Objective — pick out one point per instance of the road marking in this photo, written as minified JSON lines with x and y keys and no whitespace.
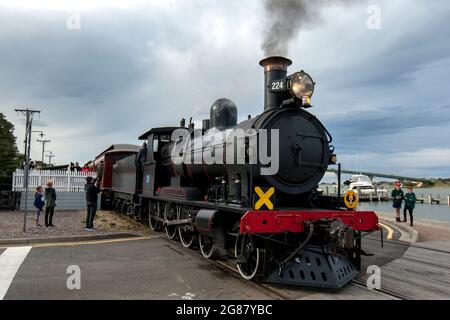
{"x":389,"y":229}
{"x":10,"y":261}
{"x":76,"y":243}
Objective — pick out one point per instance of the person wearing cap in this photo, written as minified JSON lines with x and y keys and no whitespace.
{"x":91,"y":201}
{"x":397,"y":196}
{"x":410,"y":204}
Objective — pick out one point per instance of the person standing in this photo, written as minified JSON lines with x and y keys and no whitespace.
{"x":397,"y":196}
{"x":39,"y":203}
{"x":99,"y":171}
{"x":410,"y":204}
{"x":91,"y":202}
{"x":77,"y":167}
{"x":85,"y":168}
{"x":50,"y":204}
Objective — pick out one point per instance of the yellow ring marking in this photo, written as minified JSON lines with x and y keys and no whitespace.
{"x":351,"y":199}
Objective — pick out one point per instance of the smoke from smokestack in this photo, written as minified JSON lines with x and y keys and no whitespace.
{"x":285,"y":18}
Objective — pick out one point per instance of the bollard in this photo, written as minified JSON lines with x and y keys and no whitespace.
{"x":448,"y":200}
{"x":371,"y":196}
{"x":430,"y":199}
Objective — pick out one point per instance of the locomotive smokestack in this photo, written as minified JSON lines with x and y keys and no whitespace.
{"x":275,"y":68}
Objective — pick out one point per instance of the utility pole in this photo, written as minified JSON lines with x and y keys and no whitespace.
{"x":50,"y":156}
{"x":43,"y":147}
{"x":28,"y":113}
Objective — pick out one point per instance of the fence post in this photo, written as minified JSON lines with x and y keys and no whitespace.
{"x":40,"y":178}
{"x":448,"y":200}
{"x":429,"y":199}
{"x":14,"y":181}
{"x":68,"y":181}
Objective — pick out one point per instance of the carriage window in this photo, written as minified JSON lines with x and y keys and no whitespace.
{"x":155,"y":144}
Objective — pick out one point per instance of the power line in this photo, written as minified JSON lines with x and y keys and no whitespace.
{"x":43,"y":147}
{"x":49,"y":156}
{"x":28,"y":113}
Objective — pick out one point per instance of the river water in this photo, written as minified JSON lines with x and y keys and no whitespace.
{"x":422,"y":211}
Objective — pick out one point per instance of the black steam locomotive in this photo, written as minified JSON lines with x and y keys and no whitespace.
{"x":276,"y":227}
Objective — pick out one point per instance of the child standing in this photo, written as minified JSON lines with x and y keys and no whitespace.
{"x":410,"y":204}
{"x":397,"y":196}
{"x":38,"y":203}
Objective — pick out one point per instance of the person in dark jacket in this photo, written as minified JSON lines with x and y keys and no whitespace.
{"x":50,"y":204}
{"x":410,"y":204}
{"x":39,"y":203}
{"x":91,"y":202}
{"x":397,"y":196}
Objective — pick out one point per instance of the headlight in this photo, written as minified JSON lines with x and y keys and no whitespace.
{"x":302,"y":86}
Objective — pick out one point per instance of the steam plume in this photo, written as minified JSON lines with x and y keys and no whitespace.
{"x":285,"y":18}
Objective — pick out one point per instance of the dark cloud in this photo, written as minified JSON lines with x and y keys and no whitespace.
{"x":127,"y":70}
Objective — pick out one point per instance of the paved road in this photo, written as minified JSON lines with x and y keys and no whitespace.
{"x":142,"y":269}
{"x":153,"y":268}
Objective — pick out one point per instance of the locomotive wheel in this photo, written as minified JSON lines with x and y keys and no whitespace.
{"x":129,"y":211}
{"x":186,"y":232}
{"x":207,"y":246}
{"x":125,"y":208}
{"x":154,"y":211}
{"x":170,"y":214}
{"x":121,"y":206}
{"x":249,"y":257}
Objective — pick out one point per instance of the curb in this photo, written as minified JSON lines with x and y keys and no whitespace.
{"x":413,"y":233}
{"x":32,"y":241}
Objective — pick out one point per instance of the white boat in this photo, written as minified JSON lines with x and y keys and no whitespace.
{"x":365,"y":189}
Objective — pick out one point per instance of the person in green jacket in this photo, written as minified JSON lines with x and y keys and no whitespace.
{"x":410,"y":204}
{"x":397,"y":196}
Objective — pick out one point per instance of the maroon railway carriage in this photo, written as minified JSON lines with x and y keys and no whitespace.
{"x":109,"y":158}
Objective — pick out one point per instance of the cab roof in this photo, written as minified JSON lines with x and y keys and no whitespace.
{"x":161,"y":130}
{"x":120,"y":148}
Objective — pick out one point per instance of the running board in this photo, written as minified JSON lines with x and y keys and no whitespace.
{"x":316,"y":268}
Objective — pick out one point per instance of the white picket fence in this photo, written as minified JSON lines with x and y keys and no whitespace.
{"x":63,"y":181}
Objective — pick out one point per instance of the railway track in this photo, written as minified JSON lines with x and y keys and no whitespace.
{"x":403,"y":244}
{"x":228,"y":266}
{"x":395,"y":295}
{"x":282,"y":295}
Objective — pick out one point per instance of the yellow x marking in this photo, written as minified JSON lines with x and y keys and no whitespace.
{"x":264,"y":198}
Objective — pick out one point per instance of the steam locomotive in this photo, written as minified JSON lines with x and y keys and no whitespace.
{"x":275,"y":227}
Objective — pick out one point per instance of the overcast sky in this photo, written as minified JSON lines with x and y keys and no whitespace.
{"x":133,"y":65}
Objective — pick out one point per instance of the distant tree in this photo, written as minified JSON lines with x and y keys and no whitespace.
{"x":9,"y":154}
